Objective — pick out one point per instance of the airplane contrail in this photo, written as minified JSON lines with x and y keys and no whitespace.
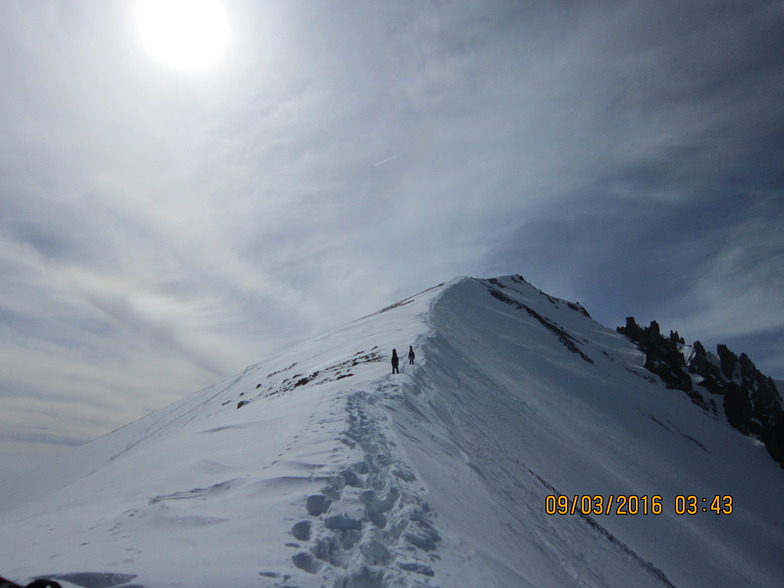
{"x":387,"y":159}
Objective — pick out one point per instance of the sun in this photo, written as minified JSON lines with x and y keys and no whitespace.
{"x":189,"y":35}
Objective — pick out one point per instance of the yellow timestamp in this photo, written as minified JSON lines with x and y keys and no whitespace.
{"x":692,"y":505}
{"x":632,"y":504}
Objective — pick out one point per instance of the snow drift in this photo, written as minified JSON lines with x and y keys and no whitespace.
{"x":318,"y":467}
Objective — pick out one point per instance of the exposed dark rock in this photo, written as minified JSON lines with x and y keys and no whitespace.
{"x":750,"y":399}
{"x":96,"y":579}
{"x":568,"y":340}
{"x":577,"y":307}
{"x":729,"y":361}
{"x":662,"y":355}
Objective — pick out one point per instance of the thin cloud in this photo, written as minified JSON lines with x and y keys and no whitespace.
{"x":383,"y":161}
{"x":158,"y":230}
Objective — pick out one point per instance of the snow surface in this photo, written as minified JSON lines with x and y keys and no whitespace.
{"x":318,"y":467}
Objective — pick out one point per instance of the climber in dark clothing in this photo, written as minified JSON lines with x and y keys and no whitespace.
{"x":395,"y":362}
{"x":411,"y":355}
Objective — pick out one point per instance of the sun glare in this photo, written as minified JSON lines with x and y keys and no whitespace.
{"x":190,"y":35}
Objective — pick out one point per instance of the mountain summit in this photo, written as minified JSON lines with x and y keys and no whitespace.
{"x":527,"y":445}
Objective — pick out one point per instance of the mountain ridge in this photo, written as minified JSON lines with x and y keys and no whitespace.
{"x":318,"y":467}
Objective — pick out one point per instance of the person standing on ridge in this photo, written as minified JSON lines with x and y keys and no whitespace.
{"x":411,"y":355}
{"x":395,"y":362}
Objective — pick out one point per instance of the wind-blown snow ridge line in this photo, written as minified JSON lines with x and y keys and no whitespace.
{"x":165,"y":422}
{"x":338,"y":371}
{"x":403,"y":302}
{"x":195,"y":493}
{"x":568,"y":340}
{"x":575,"y":306}
{"x":281,"y":371}
{"x":679,"y":432}
{"x":648,"y":566}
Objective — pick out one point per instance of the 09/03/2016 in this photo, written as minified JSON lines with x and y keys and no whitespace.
{"x":631,"y":504}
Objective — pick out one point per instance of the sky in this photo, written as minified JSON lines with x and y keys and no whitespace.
{"x":162,"y":227}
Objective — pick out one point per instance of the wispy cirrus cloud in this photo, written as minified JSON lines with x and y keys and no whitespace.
{"x":158,"y":230}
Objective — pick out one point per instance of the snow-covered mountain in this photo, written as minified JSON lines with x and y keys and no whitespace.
{"x":505,"y":456}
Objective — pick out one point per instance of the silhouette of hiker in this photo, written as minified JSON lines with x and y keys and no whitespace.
{"x":411,"y":355}
{"x":395,"y":362}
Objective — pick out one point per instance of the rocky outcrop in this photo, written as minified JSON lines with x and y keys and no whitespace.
{"x":750,"y":399}
{"x":664,"y":358}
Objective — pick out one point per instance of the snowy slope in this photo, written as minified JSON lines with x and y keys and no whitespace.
{"x":318,"y":467}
